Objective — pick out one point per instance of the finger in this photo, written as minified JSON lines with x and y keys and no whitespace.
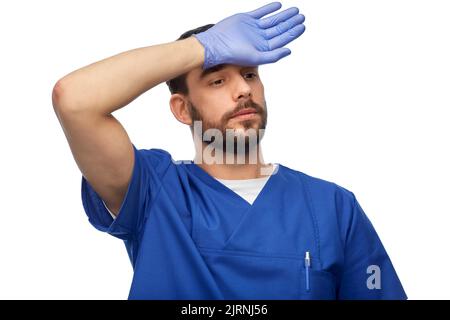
{"x":274,"y":55}
{"x":277,"y":18}
{"x":284,"y":26}
{"x":285,"y":38}
{"x":264,"y":10}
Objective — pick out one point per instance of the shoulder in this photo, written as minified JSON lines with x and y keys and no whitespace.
{"x":334,"y":206}
{"x":154,"y":158}
{"x":322,"y":189}
{"x":330,"y":203}
{"x":154,"y":153}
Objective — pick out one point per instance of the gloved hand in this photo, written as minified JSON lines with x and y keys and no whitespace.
{"x":247,"y":39}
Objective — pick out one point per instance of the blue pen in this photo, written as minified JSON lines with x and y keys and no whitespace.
{"x":307,"y":266}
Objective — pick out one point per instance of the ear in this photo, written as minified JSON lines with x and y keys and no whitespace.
{"x":180,"y":109}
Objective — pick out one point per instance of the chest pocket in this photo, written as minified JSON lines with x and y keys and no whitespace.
{"x":248,"y":275}
{"x":321,"y":286}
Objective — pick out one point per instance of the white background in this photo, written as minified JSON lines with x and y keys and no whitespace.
{"x":362,"y":101}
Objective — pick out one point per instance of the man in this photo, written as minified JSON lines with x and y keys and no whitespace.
{"x":226,"y":225}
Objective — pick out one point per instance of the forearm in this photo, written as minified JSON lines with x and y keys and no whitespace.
{"x":111,"y":83}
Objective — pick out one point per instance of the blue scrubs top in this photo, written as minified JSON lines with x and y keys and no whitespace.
{"x":188,"y":236}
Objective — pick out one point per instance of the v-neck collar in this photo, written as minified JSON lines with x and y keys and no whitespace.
{"x":215,"y":184}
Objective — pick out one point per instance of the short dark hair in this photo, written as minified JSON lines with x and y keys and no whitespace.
{"x":178,"y":84}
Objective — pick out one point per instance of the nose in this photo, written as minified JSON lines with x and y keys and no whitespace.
{"x":242,"y":90}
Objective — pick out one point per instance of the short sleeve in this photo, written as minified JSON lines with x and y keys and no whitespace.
{"x":148,"y":171}
{"x":368,"y":271}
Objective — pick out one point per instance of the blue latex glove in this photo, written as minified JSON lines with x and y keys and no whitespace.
{"x":248,"y":39}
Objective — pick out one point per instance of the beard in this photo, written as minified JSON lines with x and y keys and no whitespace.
{"x":239,"y":137}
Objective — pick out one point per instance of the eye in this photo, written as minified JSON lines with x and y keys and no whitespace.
{"x":252,"y":74}
{"x":216,"y":82}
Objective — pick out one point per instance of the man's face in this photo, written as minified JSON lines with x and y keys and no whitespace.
{"x":215,"y":96}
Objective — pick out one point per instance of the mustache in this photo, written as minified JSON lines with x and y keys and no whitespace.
{"x":245,"y":105}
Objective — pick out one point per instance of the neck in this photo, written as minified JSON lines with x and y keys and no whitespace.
{"x":241,"y":166}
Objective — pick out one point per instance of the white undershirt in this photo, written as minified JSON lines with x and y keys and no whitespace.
{"x":248,"y":189}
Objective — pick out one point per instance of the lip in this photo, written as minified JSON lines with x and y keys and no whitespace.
{"x":248,"y":112}
{"x":244,"y":116}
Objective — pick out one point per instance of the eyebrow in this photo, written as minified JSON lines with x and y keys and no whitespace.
{"x":219,"y":67}
{"x":212,"y":70}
